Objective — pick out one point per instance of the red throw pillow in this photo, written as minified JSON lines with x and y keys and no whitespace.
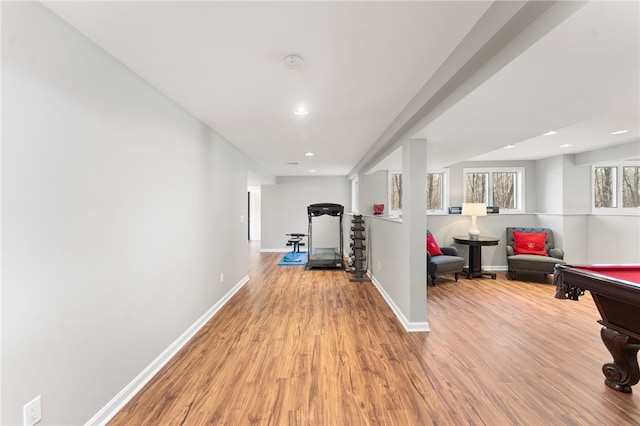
{"x":432,"y":247}
{"x":529,"y":243}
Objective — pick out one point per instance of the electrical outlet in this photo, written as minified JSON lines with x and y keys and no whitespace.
{"x":221,"y":277}
{"x":379,"y":265}
{"x":32,"y":412}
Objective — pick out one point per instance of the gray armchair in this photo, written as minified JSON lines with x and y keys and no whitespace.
{"x":532,"y":262}
{"x":447,"y":263}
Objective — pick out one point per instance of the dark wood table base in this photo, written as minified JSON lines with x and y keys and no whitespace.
{"x":475,"y":254}
{"x":623,"y":372}
{"x":478,"y":274}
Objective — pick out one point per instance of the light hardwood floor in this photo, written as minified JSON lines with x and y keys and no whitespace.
{"x":297,"y":347}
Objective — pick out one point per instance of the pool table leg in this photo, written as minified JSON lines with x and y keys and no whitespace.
{"x":623,"y":372}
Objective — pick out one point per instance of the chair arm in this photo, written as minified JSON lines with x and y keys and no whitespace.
{"x":510,"y":251}
{"x":558,"y":253}
{"x":449,"y":250}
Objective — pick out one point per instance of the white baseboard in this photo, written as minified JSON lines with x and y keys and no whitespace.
{"x":125,"y":395}
{"x":408,"y":325}
{"x":495,"y":268}
{"x":274,"y":250}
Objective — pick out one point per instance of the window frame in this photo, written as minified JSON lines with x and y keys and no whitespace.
{"x":520,"y":186}
{"x":444,"y":189}
{"x":392,"y":212}
{"x":619,"y":209}
{"x":445,"y":193}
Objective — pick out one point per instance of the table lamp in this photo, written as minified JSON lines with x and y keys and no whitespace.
{"x":474,"y":210}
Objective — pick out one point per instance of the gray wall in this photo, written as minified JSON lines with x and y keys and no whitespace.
{"x":445,"y":227}
{"x":387,"y":260}
{"x":558,"y":196}
{"x":614,"y":239}
{"x":120,"y":212}
{"x":549,"y":187}
{"x":374,"y":189}
{"x":284,"y":209}
{"x":585,"y":238}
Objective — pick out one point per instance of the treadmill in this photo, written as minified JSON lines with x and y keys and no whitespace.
{"x":325,"y":257}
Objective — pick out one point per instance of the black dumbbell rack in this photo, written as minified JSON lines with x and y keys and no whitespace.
{"x":358,"y":249}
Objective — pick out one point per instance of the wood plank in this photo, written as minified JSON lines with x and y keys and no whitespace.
{"x":311,"y":347}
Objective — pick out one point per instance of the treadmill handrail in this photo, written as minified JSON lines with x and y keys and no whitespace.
{"x":325,"y":208}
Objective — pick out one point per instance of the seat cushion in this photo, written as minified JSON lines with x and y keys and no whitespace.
{"x":533,"y":263}
{"x":444,"y":264}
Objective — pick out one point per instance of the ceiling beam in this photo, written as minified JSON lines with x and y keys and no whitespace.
{"x":503,"y":32}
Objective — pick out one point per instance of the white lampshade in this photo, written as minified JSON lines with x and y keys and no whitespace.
{"x":474,"y":209}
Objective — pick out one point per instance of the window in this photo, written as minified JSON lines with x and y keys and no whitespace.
{"x":502,"y":187}
{"x":504,"y":190}
{"x":616,"y":188}
{"x":436,"y":191}
{"x":604,"y":183}
{"x":631,"y":186}
{"x":395,"y":193}
{"x":476,"y":187}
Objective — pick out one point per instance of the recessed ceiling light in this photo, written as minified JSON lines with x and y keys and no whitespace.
{"x":313,"y":170}
{"x":309,"y":154}
{"x":549,"y":133}
{"x":301,"y":111}
{"x":565,"y":145}
{"x":619,"y":132}
{"x":294,"y":62}
{"x":509,"y":146}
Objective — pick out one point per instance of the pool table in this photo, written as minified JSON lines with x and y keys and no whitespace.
{"x":616,"y":293}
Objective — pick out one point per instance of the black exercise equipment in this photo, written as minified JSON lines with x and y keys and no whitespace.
{"x":295,"y":241}
{"x":358,"y":249}
{"x":322,"y":257}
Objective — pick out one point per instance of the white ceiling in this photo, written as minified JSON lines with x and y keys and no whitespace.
{"x":367,"y":67}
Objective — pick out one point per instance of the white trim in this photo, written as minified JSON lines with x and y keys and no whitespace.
{"x":495,"y":268}
{"x":445,"y":191}
{"x":275,"y":250}
{"x":125,"y":395}
{"x":618,"y":210}
{"x":408,"y":325}
{"x":1,"y":257}
{"x":392,"y":212}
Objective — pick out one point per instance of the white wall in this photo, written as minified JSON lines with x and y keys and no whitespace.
{"x":549,"y":186}
{"x":562,"y":191}
{"x":255,"y":224}
{"x":284,"y":208}
{"x":573,"y":239}
{"x":576,"y":180}
{"x":120,"y":211}
{"x":374,"y":189}
{"x":614,"y":239}
{"x":387,"y":253}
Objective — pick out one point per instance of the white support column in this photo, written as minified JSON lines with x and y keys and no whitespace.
{"x":414,"y":224}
